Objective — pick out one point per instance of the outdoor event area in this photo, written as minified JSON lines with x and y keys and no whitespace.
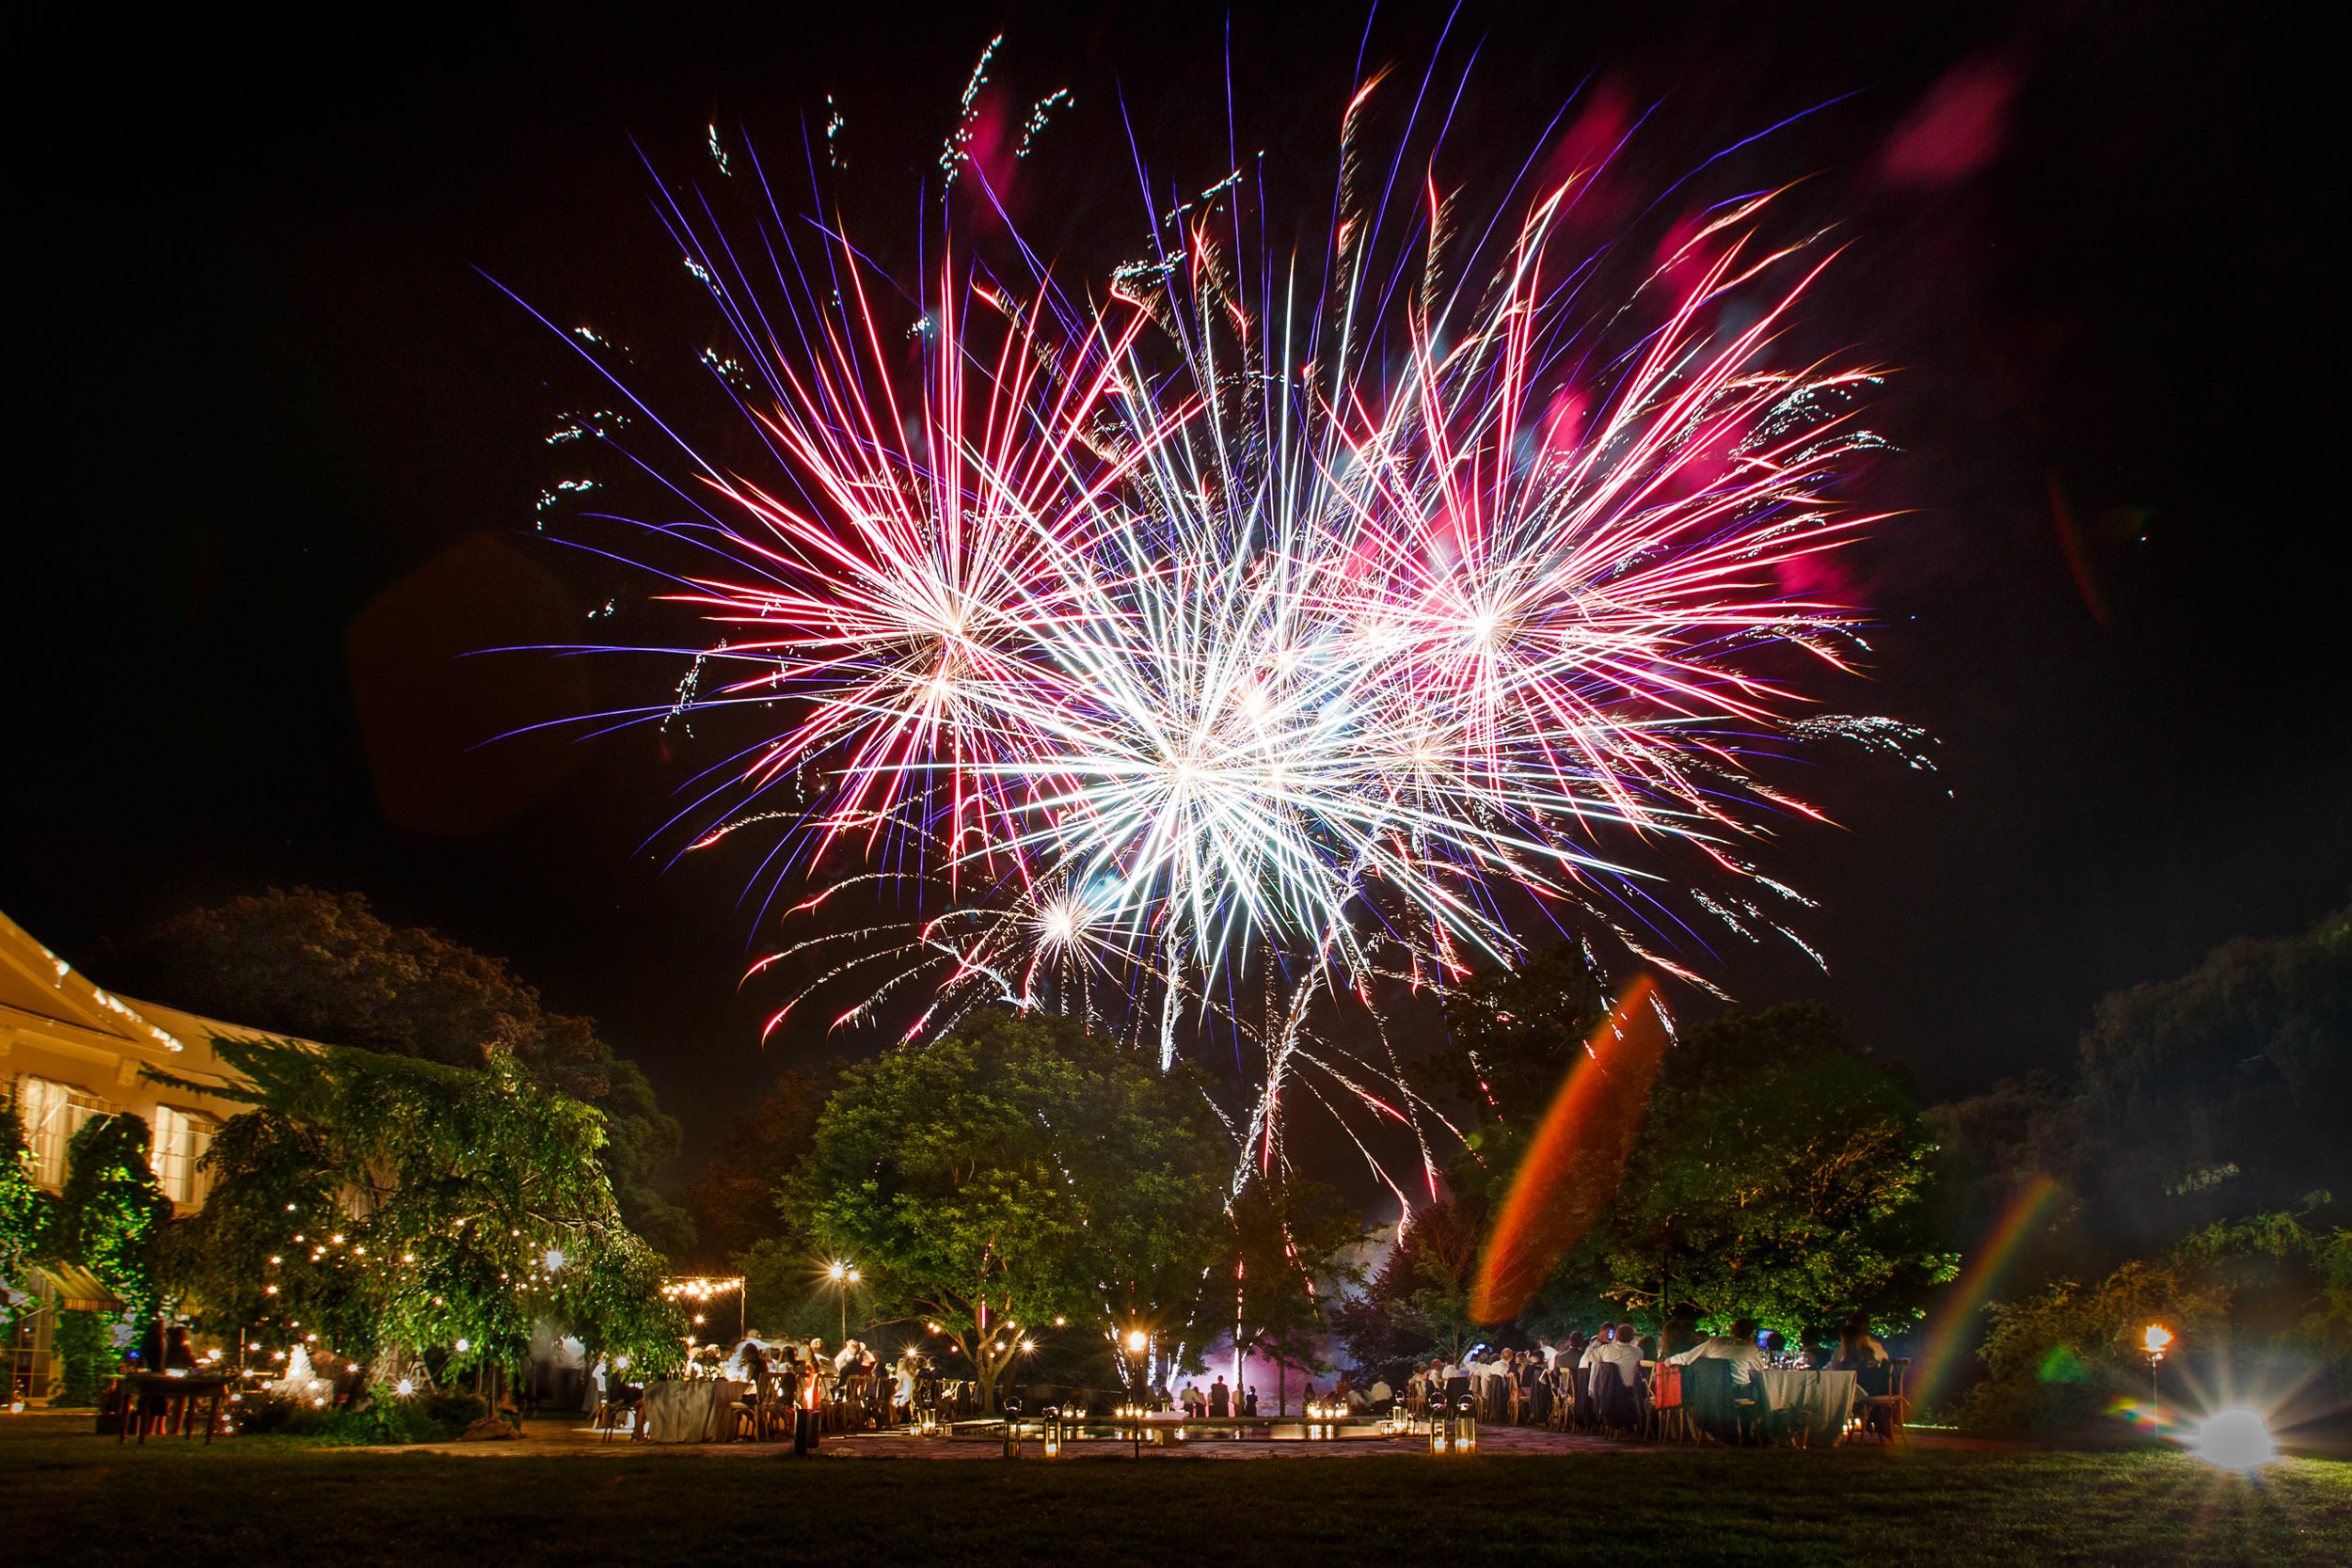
{"x":1414,"y":781}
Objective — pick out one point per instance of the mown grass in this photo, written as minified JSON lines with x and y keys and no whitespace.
{"x":73,"y":1498}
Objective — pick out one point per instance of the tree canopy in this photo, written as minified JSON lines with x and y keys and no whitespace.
{"x":391,"y":1202}
{"x":1020,"y":1171}
{"x":1782,"y":1176}
{"x":1779,"y":1173}
{"x":324,"y":966}
{"x":2219,"y":1094}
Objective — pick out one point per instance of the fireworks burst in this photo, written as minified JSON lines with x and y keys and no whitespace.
{"x":1287,"y":631}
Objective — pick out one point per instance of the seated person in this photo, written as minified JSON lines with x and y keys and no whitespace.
{"x":1737,"y":1347}
{"x":1618,"y":1348}
{"x":1379,"y":1399}
{"x":1857,"y":1350}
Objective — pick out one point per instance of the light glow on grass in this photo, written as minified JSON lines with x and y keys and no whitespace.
{"x":2234,"y":1440}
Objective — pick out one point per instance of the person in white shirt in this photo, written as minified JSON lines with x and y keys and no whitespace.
{"x":1617,"y":1349}
{"x":1737,"y":1347}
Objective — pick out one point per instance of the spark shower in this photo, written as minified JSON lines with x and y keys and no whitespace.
{"x":1203,"y":647}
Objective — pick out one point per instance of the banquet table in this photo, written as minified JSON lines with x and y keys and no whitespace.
{"x":688,"y":1412}
{"x":1819,"y":1401}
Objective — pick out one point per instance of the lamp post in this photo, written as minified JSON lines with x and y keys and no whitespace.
{"x":2155,"y":1339}
{"x":843,"y":1275}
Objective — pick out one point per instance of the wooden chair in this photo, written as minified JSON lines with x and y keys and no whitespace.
{"x":1893,"y":1404}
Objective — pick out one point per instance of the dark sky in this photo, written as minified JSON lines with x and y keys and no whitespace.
{"x":279,"y":444}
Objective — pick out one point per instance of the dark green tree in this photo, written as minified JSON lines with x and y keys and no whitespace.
{"x":1020,"y":1171}
{"x":734,"y":1201}
{"x":1782,"y":1175}
{"x":325,"y":967}
{"x":1512,"y":1033}
{"x":1291,"y":1237}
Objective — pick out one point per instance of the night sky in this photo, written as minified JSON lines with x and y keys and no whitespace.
{"x":278,"y":443}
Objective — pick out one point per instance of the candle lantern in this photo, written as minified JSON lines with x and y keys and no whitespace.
{"x":1441,"y":1427}
{"x":1053,"y":1432}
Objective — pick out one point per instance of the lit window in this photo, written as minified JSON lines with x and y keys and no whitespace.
{"x":181,"y":1139}
{"x":52,"y":1114}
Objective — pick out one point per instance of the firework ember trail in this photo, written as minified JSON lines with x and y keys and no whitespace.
{"x":1219,"y":643}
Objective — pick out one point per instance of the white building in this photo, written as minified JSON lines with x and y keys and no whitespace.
{"x":70,"y":1051}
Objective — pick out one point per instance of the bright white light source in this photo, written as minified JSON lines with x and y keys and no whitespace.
{"x":1134,"y":1341}
{"x":404,"y":1387}
{"x":554,"y":1259}
{"x":2234,"y":1440}
{"x":463,"y":1347}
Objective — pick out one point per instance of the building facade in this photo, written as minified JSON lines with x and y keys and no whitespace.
{"x":70,"y":1051}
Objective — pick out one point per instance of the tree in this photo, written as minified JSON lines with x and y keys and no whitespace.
{"x":26,"y":1214}
{"x":325,"y":967}
{"x":1782,"y":1176}
{"x":389,"y":1203}
{"x":1512,"y":1033}
{"x":2268,"y":1289}
{"x":109,"y":1219}
{"x":1289,"y":1237}
{"x":1418,"y":1301}
{"x":1021,"y":1171}
{"x":734,"y":1202}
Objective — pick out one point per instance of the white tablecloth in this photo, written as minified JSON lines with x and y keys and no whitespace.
{"x":688,"y":1412}
{"x":1819,"y":1400}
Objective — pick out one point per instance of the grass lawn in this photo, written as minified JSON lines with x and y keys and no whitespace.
{"x":73,"y":1498}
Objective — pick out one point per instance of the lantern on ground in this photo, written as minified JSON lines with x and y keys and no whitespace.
{"x":1053,"y":1432}
{"x":1466,"y":1425}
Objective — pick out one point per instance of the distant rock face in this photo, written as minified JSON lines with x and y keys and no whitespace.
{"x":488,"y":1429}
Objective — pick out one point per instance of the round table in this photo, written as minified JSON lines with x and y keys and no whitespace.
{"x":1819,"y":1401}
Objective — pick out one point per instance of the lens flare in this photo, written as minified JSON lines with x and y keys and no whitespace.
{"x":2033,"y":1207}
{"x":1578,"y":1157}
{"x":2233,"y":1440}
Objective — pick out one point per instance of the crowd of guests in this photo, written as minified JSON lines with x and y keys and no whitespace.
{"x":852,"y":1386}
{"x":1604,"y":1378}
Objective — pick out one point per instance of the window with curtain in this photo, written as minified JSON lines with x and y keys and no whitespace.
{"x":181,"y":1139}
{"x":52,"y":1114}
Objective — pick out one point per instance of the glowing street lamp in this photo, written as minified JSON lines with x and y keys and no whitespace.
{"x":843,"y":1275}
{"x":2155,"y":1339}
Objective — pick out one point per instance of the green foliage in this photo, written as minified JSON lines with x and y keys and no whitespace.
{"x":325,"y":967}
{"x":1781,"y":1175}
{"x":2221,"y":1093}
{"x":2061,"y":1354}
{"x":1428,"y":1277}
{"x":1021,"y":1171}
{"x":396,"y":1202}
{"x":435,"y":1417}
{"x":26,"y":1214}
{"x":1511,"y":1035}
{"x":111,"y":1213}
{"x":84,"y":1342}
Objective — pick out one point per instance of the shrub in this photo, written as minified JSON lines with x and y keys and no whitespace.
{"x":422,"y":1419}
